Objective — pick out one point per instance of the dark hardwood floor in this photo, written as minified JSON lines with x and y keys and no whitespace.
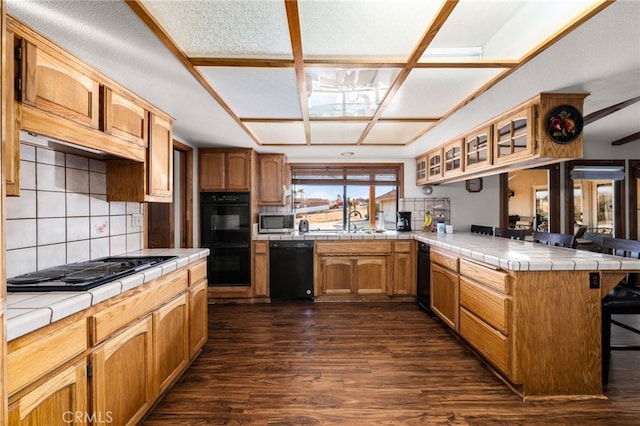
{"x":360,"y":364}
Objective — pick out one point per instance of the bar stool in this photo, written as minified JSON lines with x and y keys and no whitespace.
{"x":481,"y":229}
{"x":553,"y":239}
{"x":624,"y":299}
{"x":514,"y":234}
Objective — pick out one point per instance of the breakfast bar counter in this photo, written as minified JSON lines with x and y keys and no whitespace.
{"x":532,"y":311}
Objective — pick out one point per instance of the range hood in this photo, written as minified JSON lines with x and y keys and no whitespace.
{"x":34,"y":139}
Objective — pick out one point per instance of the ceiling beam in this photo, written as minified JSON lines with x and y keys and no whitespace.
{"x":164,"y":37}
{"x":293,"y":19}
{"x":627,"y":139}
{"x":414,"y":57}
{"x":597,"y":115}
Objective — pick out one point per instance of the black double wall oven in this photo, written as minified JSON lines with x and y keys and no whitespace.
{"x":225,"y":229}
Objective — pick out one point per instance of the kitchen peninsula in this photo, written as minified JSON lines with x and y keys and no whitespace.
{"x":530,"y":310}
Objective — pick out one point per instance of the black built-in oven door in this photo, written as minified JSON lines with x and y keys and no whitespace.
{"x":225,"y":218}
{"x":229,"y":265}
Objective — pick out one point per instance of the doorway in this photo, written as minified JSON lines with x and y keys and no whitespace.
{"x":171,"y":224}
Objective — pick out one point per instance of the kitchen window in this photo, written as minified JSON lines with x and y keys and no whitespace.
{"x":346,"y":197}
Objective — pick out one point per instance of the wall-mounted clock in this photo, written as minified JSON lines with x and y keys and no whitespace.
{"x":473,"y":185}
{"x":427,"y":190}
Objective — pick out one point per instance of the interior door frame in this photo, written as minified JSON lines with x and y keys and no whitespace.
{"x":186,"y":194}
{"x":634,"y":189}
{"x":618,"y":195}
{"x":553,"y":183}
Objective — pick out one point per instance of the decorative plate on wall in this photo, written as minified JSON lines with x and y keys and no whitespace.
{"x":564,"y":124}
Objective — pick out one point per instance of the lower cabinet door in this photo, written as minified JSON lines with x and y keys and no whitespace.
{"x":171,"y":338}
{"x":61,"y":400}
{"x":372,"y":274}
{"x":198,"y":317}
{"x":122,"y":383}
{"x":444,"y":295}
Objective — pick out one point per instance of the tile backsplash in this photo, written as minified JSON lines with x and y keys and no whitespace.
{"x":439,"y":207}
{"x":62,"y":214}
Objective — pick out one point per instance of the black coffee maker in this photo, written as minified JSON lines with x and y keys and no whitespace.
{"x":404,"y":221}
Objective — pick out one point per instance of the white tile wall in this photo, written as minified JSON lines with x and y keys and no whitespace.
{"x":62,"y":214}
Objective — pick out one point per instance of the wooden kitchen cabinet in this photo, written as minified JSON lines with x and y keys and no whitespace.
{"x":371,"y":274}
{"x":421,"y":170}
{"x":260,"y":269}
{"x":452,"y":157}
{"x":198,"y":307}
{"x":151,"y":180}
{"x":59,"y":84}
{"x":61,"y":400}
{"x":514,"y":135}
{"x":517,"y":139}
{"x":478,"y":148}
{"x":435,"y":167}
{"x":336,"y":276}
{"x":225,"y":169}
{"x":123,"y":383}
{"x":124,"y":116}
{"x":445,"y":287}
{"x":10,"y":121}
{"x":404,"y":269}
{"x":272,"y":170}
{"x":160,"y":159}
{"x":171,"y":341}
{"x":353,"y":268}
{"x":47,"y":373}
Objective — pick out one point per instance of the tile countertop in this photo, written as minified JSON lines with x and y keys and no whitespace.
{"x":517,"y":255}
{"x":501,"y":252}
{"x":30,"y":311}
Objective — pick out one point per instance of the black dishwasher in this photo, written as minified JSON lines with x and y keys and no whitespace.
{"x":424,"y":278}
{"x":291,"y":270}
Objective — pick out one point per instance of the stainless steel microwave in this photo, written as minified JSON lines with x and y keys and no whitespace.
{"x":276,"y":223}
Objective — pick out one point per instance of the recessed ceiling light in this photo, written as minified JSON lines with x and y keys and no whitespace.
{"x":347,"y":153}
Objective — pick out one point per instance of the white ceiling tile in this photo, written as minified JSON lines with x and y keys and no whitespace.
{"x":283,"y":132}
{"x":396,"y":132}
{"x":257,"y":92}
{"x":336,"y":132}
{"x":509,"y":30}
{"x":431,"y":92}
{"x":387,"y":29}
{"x":228,"y":29}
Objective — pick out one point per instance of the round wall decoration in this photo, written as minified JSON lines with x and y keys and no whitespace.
{"x":564,"y":124}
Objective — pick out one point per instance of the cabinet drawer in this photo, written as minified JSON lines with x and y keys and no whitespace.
{"x":495,"y":279}
{"x":491,"y":306}
{"x":402,"y":247}
{"x":30,"y":358}
{"x":447,"y":260}
{"x":117,"y":316}
{"x":198,"y":272}
{"x":492,"y":344}
{"x":353,"y":247}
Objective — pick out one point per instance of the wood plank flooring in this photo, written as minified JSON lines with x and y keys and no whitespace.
{"x":363,"y":364}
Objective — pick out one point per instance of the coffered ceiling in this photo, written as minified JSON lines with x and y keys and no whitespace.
{"x":314,"y":72}
{"x":381,"y":78}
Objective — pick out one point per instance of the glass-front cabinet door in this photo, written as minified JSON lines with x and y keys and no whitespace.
{"x":434,"y":171}
{"x":514,"y":136}
{"x":453,"y":158}
{"x":477,"y":149}
{"x":421,"y":170}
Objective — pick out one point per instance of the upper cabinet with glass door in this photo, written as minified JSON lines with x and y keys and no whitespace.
{"x":514,"y":137}
{"x":477,"y":148}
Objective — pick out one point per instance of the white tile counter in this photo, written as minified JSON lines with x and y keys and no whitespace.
{"x":505,"y":253}
{"x":517,"y":255}
{"x":30,"y":311}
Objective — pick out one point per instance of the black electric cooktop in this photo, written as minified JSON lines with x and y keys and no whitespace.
{"x":83,"y":276}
